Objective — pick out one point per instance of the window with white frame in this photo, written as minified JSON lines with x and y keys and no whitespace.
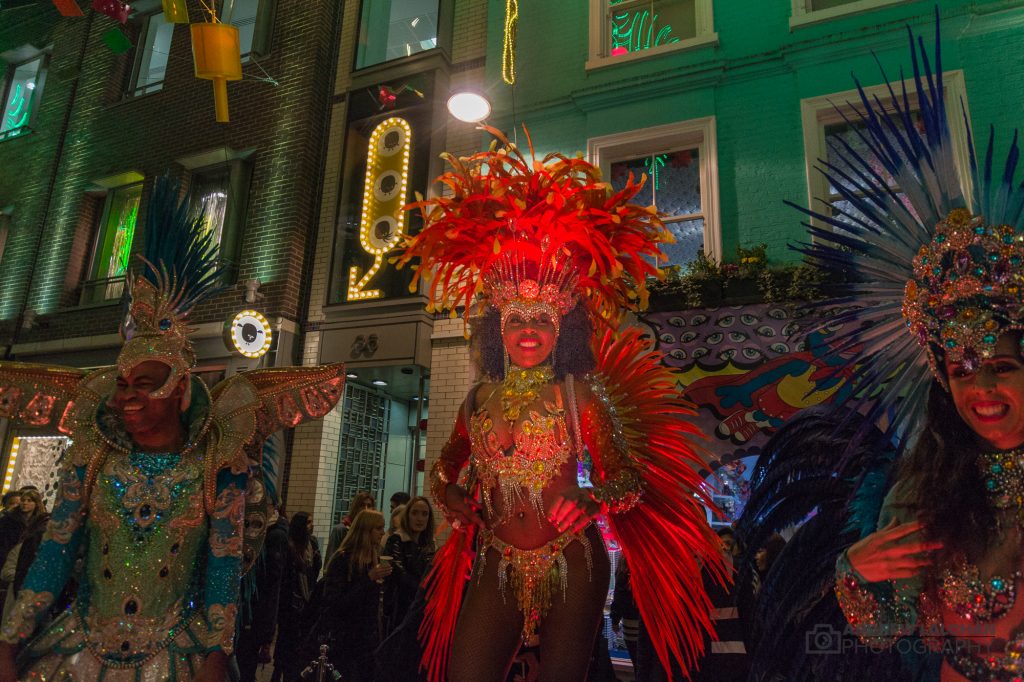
{"x":22,"y":89}
{"x":814,"y":11}
{"x":622,"y":30}
{"x":824,"y":126}
{"x":151,"y":54}
{"x":680,"y":161}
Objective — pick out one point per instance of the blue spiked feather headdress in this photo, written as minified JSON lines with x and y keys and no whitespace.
{"x":927,"y":257}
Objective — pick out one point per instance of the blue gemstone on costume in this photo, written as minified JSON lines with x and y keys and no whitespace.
{"x":165,"y":324}
{"x":997,"y":583}
{"x":990,"y":484}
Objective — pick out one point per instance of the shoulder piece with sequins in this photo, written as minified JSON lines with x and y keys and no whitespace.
{"x":290,"y":395}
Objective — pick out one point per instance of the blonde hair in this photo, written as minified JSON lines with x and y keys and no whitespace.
{"x":358,"y":543}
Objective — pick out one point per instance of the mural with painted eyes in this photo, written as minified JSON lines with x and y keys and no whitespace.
{"x":748,"y":369}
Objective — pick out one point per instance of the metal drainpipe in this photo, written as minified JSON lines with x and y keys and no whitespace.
{"x":9,"y":351}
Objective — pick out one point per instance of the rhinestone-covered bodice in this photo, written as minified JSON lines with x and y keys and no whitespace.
{"x":540,"y":448}
{"x":148,"y":532}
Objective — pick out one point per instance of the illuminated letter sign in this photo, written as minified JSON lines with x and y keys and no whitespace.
{"x":383,"y":222}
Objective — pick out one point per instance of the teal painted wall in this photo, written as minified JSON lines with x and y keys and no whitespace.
{"x":752,"y":83}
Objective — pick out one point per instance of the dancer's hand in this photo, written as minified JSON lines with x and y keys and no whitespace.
{"x":894,"y":552}
{"x":463,"y":510}
{"x":573,"y":510}
{"x":214,"y":668}
{"x":8,"y":670}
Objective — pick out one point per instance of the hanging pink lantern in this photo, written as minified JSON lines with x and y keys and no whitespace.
{"x":115,"y":9}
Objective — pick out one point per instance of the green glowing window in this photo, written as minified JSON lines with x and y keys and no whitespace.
{"x":112,"y":254}
{"x":621,"y":30}
{"x":636,"y":25}
{"x":151,"y":53}
{"x":392,"y":29}
{"x":21,"y":94}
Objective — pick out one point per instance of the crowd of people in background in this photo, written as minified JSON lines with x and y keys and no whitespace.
{"x":363,"y":597}
{"x":351,"y":598}
{"x":22,"y":523}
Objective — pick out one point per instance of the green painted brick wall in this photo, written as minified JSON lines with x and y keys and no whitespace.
{"x":752,"y":83}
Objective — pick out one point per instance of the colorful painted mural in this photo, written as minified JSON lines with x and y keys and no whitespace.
{"x":748,"y":369}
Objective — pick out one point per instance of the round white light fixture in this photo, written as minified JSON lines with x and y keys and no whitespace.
{"x":379,"y":382}
{"x":352,"y":375}
{"x":248,"y":334}
{"x":470,"y":107}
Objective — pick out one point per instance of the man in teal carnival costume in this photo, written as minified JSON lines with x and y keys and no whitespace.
{"x":162,"y":492}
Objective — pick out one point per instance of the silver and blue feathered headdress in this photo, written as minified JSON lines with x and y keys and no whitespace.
{"x":934,"y":262}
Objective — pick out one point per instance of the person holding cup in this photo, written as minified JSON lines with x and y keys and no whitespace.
{"x":358,"y":587}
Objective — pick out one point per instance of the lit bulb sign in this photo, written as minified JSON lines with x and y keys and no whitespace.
{"x":248,"y":334}
{"x":383,"y":221}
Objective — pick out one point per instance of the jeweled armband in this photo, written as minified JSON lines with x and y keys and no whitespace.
{"x":439,"y":486}
{"x":622,"y":492}
{"x":879,"y":615}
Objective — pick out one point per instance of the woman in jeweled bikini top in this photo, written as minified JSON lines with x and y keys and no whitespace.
{"x":539,"y":254}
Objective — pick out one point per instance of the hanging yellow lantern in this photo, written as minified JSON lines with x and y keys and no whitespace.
{"x":218,"y":58}
{"x":175,"y":11}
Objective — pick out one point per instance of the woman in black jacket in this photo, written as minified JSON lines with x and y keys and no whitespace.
{"x":357,"y":596}
{"x":411,"y":549}
{"x":302,"y":566}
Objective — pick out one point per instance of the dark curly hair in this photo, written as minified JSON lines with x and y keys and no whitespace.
{"x":946,"y":490}
{"x":573,"y":354}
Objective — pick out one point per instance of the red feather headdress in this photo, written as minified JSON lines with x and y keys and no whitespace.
{"x":553,"y":219}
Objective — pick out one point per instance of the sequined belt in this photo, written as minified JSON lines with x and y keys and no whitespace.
{"x":130,"y":642}
{"x":963,"y":657}
{"x":534,"y":574}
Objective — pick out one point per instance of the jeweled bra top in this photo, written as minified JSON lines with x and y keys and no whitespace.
{"x":540,"y":448}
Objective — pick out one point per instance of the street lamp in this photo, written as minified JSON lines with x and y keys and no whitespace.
{"x":470,"y":107}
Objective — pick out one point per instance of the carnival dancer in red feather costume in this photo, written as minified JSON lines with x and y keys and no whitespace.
{"x":540,"y":255}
